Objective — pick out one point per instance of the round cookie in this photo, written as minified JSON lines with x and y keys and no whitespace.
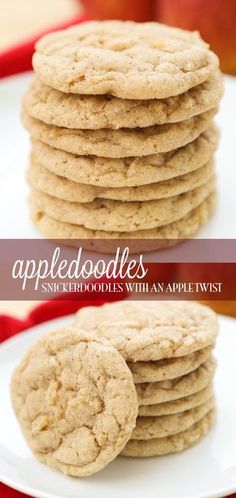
{"x":169,"y":390}
{"x":42,"y":179}
{"x":170,"y":444}
{"x":124,"y":59}
{"x":128,"y":172}
{"x":154,"y":330}
{"x":108,"y":215}
{"x":125,"y":142}
{"x":138,"y":241}
{"x":168,"y":369}
{"x":75,"y":401}
{"x":166,"y":425}
{"x":178,"y":405}
{"x":103,"y":111}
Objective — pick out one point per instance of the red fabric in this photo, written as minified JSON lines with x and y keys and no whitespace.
{"x":48,"y":310}
{"x":6,"y":492}
{"x":18,"y":58}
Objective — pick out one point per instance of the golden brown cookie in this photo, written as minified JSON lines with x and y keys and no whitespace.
{"x":167,"y":369}
{"x":124,"y":59}
{"x":75,"y":401}
{"x":169,"y":390}
{"x":103,"y":111}
{"x":128,"y":172}
{"x":166,"y":425}
{"x":118,"y":216}
{"x":170,"y":444}
{"x":42,"y":179}
{"x":138,"y":241}
{"x":125,"y":142}
{"x":178,"y":405}
{"x":154,"y":330}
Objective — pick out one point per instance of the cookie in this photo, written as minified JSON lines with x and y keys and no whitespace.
{"x":168,"y":369}
{"x":75,"y":401}
{"x":108,"y":215}
{"x":166,"y":425}
{"x":154,"y":330}
{"x":170,"y":444}
{"x":128,"y":172}
{"x":169,"y":390}
{"x":138,"y":241}
{"x":178,"y":405}
{"x":42,"y":179}
{"x":125,"y":59}
{"x":103,"y":111}
{"x":125,"y":142}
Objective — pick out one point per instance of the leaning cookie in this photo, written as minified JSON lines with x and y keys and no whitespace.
{"x":75,"y":400}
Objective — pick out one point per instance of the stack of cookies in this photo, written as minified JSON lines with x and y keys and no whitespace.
{"x":121,"y":122}
{"x":129,"y":378}
{"x":168,"y":348}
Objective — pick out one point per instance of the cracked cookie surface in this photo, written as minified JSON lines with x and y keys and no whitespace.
{"x":178,"y":405}
{"x":103,"y":111}
{"x":125,"y":142}
{"x":128,"y":172}
{"x":170,"y":444}
{"x":42,"y":179}
{"x":169,"y":390}
{"x":75,"y":401}
{"x":149,"y":330}
{"x":124,"y":59}
{"x":166,"y":425}
{"x":138,"y":241}
{"x":109,"y":215}
{"x":167,"y":369}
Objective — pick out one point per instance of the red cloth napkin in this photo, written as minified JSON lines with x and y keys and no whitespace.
{"x":48,"y":310}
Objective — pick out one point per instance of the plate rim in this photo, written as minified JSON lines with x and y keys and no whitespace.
{"x":222,"y":493}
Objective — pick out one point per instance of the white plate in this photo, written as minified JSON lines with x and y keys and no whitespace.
{"x":204,"y":471}
{"x":15,"y":149}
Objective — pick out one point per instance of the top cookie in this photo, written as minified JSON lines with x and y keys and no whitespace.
{"x":124,"y":59}
{"x":75,"y":400}
{"x":149,"y":330}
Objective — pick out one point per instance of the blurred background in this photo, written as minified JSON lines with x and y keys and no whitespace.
{"x":21,"y":19}
{"x":215,"y":19}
